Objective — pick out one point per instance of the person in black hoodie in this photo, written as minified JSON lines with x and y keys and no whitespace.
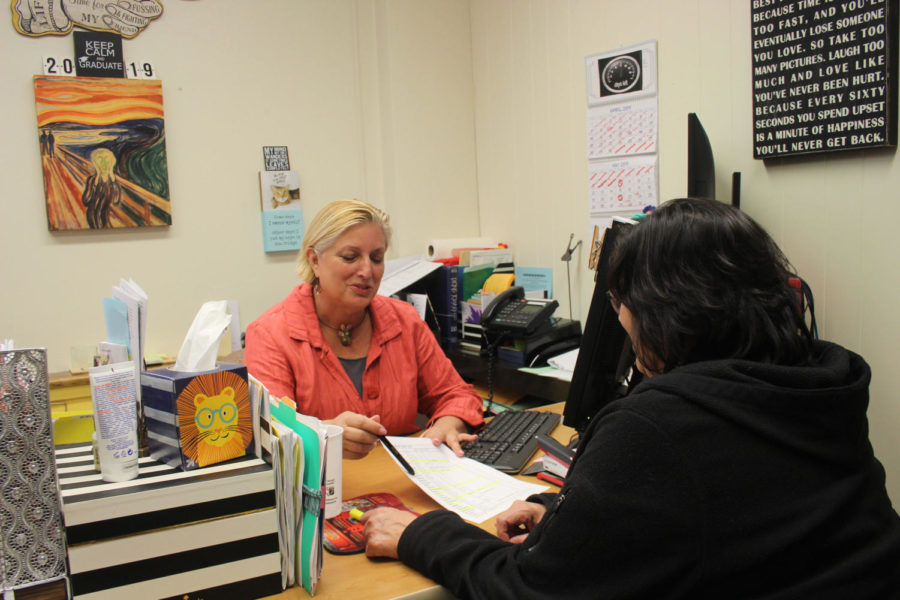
{"x":740,"y":467}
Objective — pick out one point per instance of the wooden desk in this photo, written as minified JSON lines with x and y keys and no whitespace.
{"x":354,"y":575}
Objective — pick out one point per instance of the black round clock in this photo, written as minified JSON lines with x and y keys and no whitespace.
{"x":621,"y":74}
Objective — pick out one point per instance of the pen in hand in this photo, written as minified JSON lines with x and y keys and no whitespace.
{"x":396,"y":453}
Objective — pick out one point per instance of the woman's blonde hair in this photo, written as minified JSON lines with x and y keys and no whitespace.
{"x":328,"y":225}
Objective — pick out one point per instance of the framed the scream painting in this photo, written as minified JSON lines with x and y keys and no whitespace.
{"x":103,"y":152}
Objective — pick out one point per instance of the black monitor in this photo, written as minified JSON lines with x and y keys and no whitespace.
{"x":701,"y":168}
{"x":605,"y":355}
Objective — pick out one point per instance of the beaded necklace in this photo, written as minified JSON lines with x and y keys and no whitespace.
{"x":345,"y":330}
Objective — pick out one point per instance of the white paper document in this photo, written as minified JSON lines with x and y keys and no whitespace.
{"x":474,"y":491}
{"x":565,"y":361}
{"x":401,"y":273}
{"x":129,"y":292}
{"x":135,"y":299}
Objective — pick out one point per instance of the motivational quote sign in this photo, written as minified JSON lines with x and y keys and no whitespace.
{"x":824,"y":75}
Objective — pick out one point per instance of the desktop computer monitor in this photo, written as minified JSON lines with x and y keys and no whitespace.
{"x":605,"y":355}
{"x":701,"y":171}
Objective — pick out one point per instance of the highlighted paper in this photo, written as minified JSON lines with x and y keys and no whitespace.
{"x":474,"y":491}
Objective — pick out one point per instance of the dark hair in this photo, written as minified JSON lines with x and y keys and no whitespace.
{"x":704,"y":281}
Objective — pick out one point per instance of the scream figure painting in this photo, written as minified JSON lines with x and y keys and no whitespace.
{"x":103,"y":152}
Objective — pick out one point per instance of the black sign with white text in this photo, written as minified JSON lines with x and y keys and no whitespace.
{"x":824,"y":75}
{"x":276,"y":158}
{"x":98,"y":54}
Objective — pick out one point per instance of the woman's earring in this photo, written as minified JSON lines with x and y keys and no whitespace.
{"x":316,"y":287}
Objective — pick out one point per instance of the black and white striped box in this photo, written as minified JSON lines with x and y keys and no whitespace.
{"x":207,"y":533}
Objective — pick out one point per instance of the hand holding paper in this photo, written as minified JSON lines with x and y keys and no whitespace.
{"x":474,"y":491}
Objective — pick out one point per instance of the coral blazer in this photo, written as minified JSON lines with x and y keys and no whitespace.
{"x":406,"y":371}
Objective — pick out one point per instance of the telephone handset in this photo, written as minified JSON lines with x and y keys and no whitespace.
{"x":512,"y":313}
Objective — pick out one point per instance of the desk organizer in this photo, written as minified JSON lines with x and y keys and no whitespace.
{"x":197,"y":419}
{"x":206,"y":533}
{"x":32,"y":544}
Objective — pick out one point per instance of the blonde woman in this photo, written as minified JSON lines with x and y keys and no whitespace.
{"x":350,"y":357}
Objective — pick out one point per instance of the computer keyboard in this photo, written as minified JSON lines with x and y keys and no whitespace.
{"x":507,"y":441}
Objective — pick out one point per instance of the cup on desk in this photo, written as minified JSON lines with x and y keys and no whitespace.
{"x":334,"y":442}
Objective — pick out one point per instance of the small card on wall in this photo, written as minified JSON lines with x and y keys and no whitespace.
{"x":276,"y":158}
{"x":98,"y":54}
{"x":282,"y":216}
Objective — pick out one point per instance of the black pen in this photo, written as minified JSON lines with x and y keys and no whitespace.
{"x":396,"y":453}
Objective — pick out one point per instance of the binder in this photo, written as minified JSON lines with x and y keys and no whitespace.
{"x":444,"y":291}
{"x":299,"y":459}
{"x":473,"y":279}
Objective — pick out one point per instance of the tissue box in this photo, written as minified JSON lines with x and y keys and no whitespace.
{"x":196,"y":419}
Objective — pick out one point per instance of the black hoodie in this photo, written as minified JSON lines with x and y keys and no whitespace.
{"x":724,"y":479}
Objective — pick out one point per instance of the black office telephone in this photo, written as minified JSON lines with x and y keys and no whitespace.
{"x":511,"y":316}
{"x":511,"y":313}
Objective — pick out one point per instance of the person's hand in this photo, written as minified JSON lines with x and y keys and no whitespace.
{"x":514,"y":524}
{"x":384,"y":526}
{"x":360,"y":433}
{"x":125,"y":17}
{"x":451,"y":431}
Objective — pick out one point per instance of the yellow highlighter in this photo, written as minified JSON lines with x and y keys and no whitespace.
{"x":356,"y":514}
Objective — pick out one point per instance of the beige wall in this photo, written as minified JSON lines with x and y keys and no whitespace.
{"x":369,"y":103}
{"x":835,"y":216}
{"x":460,"y":118}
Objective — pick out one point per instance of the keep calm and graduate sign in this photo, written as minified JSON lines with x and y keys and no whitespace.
{"x":98,"y":54}
{"x":824,"y":75}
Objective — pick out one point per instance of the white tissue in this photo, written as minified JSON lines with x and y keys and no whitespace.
{"x":201,"y":345}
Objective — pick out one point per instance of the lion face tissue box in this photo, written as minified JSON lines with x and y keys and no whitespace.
{"x":198,"y":413}
{"x":197,"y":419}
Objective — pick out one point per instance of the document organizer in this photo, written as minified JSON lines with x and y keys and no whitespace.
{"x":32,"y":541}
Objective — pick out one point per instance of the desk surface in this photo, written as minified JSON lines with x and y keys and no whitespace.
{"x":355,"y":576}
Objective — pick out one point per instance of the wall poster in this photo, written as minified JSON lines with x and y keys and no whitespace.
{"x":622,"y":131}
{"x":103,"y":152}
{"x":282,"y":215}
{"x":824,"y":75}
{"x":57,"y":17}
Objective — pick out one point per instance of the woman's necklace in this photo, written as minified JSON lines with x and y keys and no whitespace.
{"x":345,"y":330}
